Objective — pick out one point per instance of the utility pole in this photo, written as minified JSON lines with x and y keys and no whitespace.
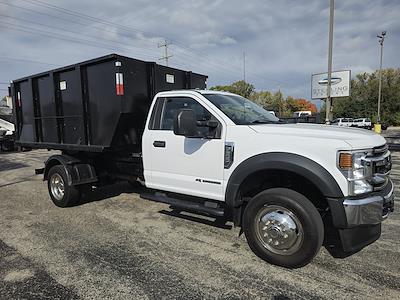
{"x":166,"y":57}
{"x":328,"y":115}
{"x":244,"y":66}
{"x":381,"y":40}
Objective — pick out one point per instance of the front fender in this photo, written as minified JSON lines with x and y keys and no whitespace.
{"x":294,"y":163}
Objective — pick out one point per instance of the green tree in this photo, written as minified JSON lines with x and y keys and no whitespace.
{"x":363,"y":100}
{"x":271,"y":101}
{"x":280,"y":105}
{"x":239,"y":87}
{"x":263,"y":98}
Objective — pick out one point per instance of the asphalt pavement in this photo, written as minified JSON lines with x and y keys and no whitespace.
{"x":116,"y":245}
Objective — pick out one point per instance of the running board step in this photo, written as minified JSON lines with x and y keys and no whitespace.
{"x":184,"y":204}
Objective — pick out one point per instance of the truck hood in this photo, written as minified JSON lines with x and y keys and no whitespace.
{"x":356,"y":138}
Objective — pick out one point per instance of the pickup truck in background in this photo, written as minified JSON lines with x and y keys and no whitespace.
{"x":291,"y":188}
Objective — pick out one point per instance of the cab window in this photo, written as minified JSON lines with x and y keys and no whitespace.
{"x":172,"y":106}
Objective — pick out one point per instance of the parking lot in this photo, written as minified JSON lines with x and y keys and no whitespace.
{"x":119,"y":246}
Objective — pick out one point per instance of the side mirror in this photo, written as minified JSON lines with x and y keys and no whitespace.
{"x":185,"y":123}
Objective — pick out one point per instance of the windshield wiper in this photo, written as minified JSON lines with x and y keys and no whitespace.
{"x":264,"y":122}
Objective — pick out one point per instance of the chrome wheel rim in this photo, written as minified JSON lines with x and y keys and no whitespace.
{"x":279,"y":230}
{"x":57,"y":186}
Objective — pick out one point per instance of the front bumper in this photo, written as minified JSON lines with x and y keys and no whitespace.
{"x":358,"y":220}
{"x":370,"y":210}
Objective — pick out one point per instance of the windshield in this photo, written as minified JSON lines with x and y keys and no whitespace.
{"x":241,"y":110}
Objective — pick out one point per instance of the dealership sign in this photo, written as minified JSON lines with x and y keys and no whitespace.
{"x":340,"y":85}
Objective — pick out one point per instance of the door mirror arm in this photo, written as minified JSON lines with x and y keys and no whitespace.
{"x":210,"y":123}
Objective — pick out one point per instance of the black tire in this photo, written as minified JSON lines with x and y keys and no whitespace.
{"x":71,"y":195}
{"x":302,"y":210}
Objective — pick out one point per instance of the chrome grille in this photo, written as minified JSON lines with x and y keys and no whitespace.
{"x":379,"y":165}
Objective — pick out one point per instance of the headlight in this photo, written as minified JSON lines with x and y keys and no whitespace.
{"x":357,"y":172}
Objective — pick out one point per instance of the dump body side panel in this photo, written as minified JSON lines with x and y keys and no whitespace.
{"x":98,"y":105}
{"x":24,"y":92}
{"x":46,"y":111}
{"x":70,"y":95}
{"x":104,"y":104}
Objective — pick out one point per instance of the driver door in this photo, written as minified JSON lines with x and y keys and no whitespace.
{"x":191,"y":166}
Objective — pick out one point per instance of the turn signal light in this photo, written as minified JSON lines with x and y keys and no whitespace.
{"x":345,"y":161}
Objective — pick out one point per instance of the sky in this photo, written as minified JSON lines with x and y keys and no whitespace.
{"x":284,"y":41}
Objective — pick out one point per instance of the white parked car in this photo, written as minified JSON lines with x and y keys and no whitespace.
{"x":362,"y":123}
{"x":343,"y":122}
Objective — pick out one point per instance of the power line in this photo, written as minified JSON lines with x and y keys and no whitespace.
{"x":52,"y":35}
{"x":47,"y":33}
{"x":129,"y":29}
{"x":58,"y":18}
{"x":75,"y":32}
{"x":21,"y":60}
{"x":84,"y":16}
{"x":66,"y":38}
{"x":42,"y":13}
{"x":200,"y":55}
{"x":57,"y":36}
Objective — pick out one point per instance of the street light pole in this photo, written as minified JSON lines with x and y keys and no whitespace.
{"x":381,"y":40}
{"x":330,"y":46}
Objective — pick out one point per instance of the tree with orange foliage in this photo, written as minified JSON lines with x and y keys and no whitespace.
{"x":300,"y":104}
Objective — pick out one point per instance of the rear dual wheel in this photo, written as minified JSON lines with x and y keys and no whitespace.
{"x":283,"y":227}
{"x":62,"y":194}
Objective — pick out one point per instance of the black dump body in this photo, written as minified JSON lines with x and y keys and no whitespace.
{"x":98,"y":105}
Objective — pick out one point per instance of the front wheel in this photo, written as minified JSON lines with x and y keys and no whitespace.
{"x":62,"y":194}
{"x":283,"y":227}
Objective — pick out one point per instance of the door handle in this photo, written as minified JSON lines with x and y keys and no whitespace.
{"x":159,"y":144}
